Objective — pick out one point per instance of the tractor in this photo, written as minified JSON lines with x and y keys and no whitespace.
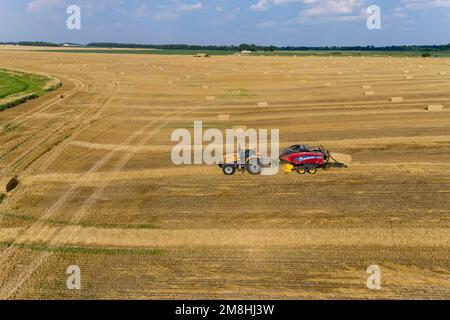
{"x":300,"y":158}
{"x":245,"y":160}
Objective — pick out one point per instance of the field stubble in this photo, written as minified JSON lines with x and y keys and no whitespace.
{"x":95,"y":175}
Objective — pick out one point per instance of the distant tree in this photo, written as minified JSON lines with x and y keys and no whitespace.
{"x":248,"y":47}
{"x":426,"y":55}
{"x":37,"y":44}
{"x":243,"y":47}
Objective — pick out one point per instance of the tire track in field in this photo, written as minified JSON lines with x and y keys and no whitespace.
{"x":54,"y":133}
{"x":32,"y":113}
{"x":14,"y":284}
{"x":64,"y":125}
{"x":81,"y":127}
{"x":85,"y":124}
{"x":56,"y":152}
{"x":79,"y":85}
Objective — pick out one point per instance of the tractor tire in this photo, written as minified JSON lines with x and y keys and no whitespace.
{"x":312,"y":170}
{"x":229,"y":169}
{"x":301,"y":170}
{"x":254,"y":168}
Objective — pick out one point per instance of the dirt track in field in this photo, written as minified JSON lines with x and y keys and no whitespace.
{"x":95,"y":174}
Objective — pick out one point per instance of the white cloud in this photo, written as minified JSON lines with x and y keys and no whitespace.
{"x":189,"y":7}
{"x":327,"y":8}
{"x":311,"y":8}
{"x":328,"y":11}
{"x":320,"y":11}
{"x":89,"y":7}
{"x":398,"y":13}
{"x":40,"y":5}
{"x":262,"y":5}
{"x":176,"y":10}
{"x":402,"y":12}
{"x":286,"y":2}
{"x":424,"y":4}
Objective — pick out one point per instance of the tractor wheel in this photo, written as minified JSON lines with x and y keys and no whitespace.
{"x":254,"y":168}
{"x":301,"y":170}
{"x":312,"y":170}
{"x":229,"y":169}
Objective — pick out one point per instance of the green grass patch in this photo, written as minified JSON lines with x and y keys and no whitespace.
{"x":41,"y":247}
{"x":231,"y":93}
{"x":12,"y":83}
{"x":18,"y":87}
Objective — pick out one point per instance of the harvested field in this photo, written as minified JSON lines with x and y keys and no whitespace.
{"x":98,"y":188}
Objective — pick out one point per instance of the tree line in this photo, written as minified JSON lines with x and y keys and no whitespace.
{"x":241,"y":47}
{"x":253,"y":47}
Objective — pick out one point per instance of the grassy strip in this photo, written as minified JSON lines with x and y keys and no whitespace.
{"x":284,"y":53}
{"x":26,"y":218}
{"x":18,"y":101}
{"x":25,"y":86}
{"x":11,"y":84}
{"x":40,"y":247}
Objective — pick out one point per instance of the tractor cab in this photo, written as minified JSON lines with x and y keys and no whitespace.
{"x":244,"y":155}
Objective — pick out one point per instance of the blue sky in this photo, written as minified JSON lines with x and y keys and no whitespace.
{"x":278,"y":22}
